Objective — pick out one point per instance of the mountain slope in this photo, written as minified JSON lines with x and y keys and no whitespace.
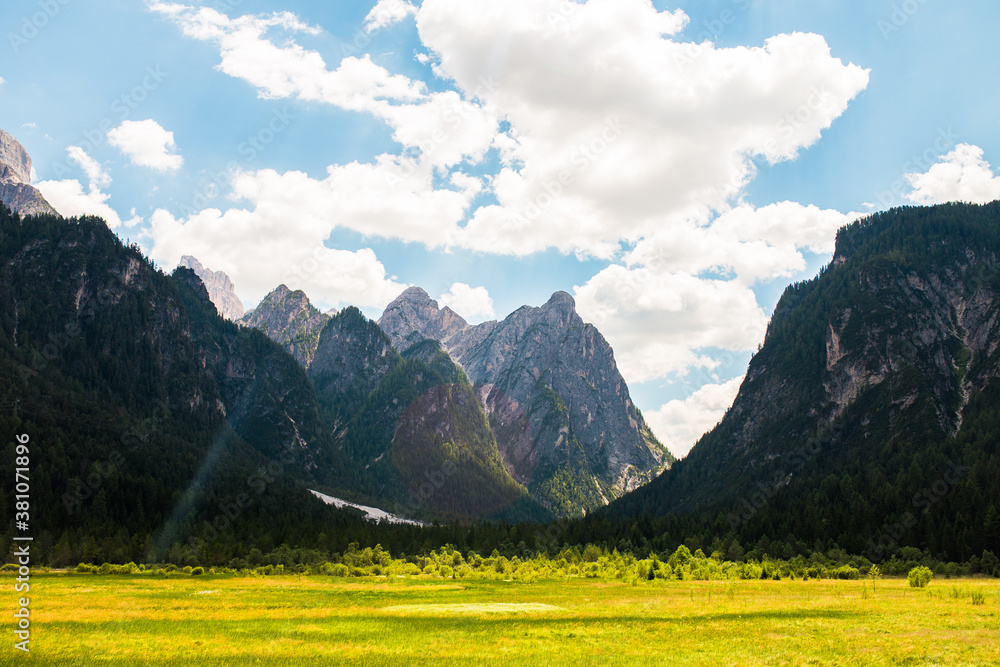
{"x":136,"y":395}
{"x":872,"y":403}
{"x":414,"y":423}
{"x":560,"y":411}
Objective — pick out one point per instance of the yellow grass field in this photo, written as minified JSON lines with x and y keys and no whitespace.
{"x":82,"y":619}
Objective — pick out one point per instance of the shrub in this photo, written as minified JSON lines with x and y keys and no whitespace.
{"x":920,"y":576}
{"x":978,"y":598}
{"x":9,"y":567}
{"x":197,"y":570}
{"x":339,"y":570}
{"x":846,"y":572}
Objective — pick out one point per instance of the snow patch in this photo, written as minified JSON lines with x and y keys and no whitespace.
{"x":371,"y":513}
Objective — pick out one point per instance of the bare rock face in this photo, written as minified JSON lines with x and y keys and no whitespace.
{"x":15,"y":179}
{"x":220,"y":288}
{"x":414,"y":317}
{"x":288,"y":318}
{"x":559,"y":409}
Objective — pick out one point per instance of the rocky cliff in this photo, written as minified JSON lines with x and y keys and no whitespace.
{"x":15,"y":179}
{"x":288,"y":318}
{"x":220,"y":288}
{"x":560,"y":410}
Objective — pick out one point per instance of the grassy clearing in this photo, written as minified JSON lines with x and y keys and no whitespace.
{"x":291,"y":620}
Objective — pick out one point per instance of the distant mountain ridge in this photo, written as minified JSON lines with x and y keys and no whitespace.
{"x":220,"y":288}
{"x":16,"y":191}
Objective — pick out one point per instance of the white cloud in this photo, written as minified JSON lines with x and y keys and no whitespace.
{"x":388,"y":12}
{"x":615,"y":131}
{"x":961,"y":175}
{"x":263,"y":248}
{"x":617,"y":128}
{"x":442,"y":127}
{"x":69,"y":199}
{"x":2,"y":81}
{"x":659,"y":323}
{"x":472,"y":303}
{"x":686,"y":288}
{"x":679,"y":424}
{"x":146,"y":144}
{"x":98,"y":177}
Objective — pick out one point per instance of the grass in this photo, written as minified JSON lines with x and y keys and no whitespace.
{"x":86,"y":620}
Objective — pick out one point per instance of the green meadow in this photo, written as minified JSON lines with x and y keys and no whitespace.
{"x":83,"y":619}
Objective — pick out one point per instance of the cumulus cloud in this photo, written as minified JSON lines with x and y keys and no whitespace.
{"x":69,"y":198}
{"x":686,"y":288}
{"x":472,"y":303}
{"x":277,"y":241}
{"x":388,"y":12}
{"x":659,"y":323}
{"x":679,"y":424}
{"x":441,"y":127}
{"x":615,"y":138}
{"x":961,"y":175}
{"x":98,"y":177}
{"x":617,"y":127}
{"x":146,"y":144}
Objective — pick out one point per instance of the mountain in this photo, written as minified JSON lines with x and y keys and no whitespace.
{"x":16,"y":191}
{"x":288,"y":318}
{"x":559,"y":409}
{"x":220,"y":288}
{"x":414,"y":422}
{"x":157,"y":426}
{"x":871,"y":414}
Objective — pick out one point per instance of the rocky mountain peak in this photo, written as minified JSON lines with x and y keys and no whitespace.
{"x":561,"y":300}
{"x":416,"y":295}
{"x":15,"y":163}
{"x":414,"y":316}
{"x":557,"y":404}
{"x":220,"y":288}
{"x":288,"y":318}
{"x":15,"y":179}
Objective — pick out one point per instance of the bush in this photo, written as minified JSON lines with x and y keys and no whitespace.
{"x":846,"y":572}
{"x":339,"y":570}
{"x":9,"y":567}
{"x":978,"y":598}
{"x":920,"y":576}
{"x":197,"y":570}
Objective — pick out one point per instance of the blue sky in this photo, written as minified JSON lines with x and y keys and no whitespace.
{"x":708,"y":151}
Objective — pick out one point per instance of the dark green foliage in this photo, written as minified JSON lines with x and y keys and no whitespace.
{"x":123,"y":378}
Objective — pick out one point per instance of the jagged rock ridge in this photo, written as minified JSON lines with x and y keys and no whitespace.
{"x":15,"y":179}
{"x":560,"y":410}
{"x":220,"y":288}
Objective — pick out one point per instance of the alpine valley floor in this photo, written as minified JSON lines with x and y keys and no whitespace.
{"x":83,"y":619}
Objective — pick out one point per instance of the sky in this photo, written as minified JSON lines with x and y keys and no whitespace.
{"x":672,"y":165}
